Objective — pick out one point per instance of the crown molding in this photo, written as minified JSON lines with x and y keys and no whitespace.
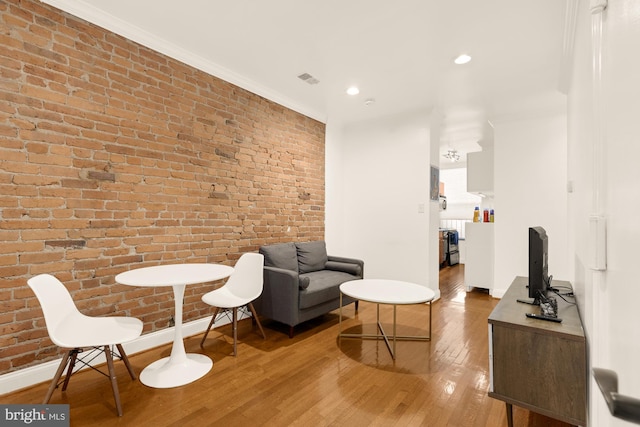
{"x":98,"y":17}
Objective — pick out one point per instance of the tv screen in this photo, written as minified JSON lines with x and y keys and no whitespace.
{"x":538,"y":263}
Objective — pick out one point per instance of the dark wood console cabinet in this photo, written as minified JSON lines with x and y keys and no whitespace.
{"x":537,"y":364}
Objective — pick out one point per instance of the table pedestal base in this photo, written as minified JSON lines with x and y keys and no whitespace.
{"x":168,"y":372}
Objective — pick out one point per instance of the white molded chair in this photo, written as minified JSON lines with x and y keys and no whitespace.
{"x":70,"y":329}
{"x":242,"y":288}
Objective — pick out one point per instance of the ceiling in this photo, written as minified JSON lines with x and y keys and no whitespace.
{"x":399,"y":53}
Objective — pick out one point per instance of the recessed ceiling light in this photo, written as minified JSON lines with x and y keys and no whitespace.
{"x":462,"y":59}
{"x":353,"y":90}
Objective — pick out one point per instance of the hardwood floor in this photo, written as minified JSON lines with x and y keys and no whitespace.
{"x":315,"y":380}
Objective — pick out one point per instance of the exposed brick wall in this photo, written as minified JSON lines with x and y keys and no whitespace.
{"x":114,"y":156}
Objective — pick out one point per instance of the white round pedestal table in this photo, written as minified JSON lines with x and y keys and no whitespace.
{"x":179,"y":368}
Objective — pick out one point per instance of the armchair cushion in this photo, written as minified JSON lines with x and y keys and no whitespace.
{"x":312,"y":256}
{"x":282,"y":255}
{"x":325,"y":286}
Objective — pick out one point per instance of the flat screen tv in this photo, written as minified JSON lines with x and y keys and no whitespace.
{"x":538,"y":264}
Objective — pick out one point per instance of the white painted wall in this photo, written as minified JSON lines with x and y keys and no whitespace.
{"x":608,"y":299}
{"x":530,"y":174}
{"x":433,"y":243}
{"x":334,"y":206}
{"x":377,"y":182}
{"x":580,"y":178}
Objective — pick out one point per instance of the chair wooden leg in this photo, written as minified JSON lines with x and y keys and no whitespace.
{"x":213,"y":319}
{"x":125,"y":359}
{"x":290,"y":331}
{"x":235,"y":331}
{"x":72,"y":365}
{"x":255,"y":318}
{"x":356,"y":304}
{"x":56,"y":378}
{"x":114,"y":380}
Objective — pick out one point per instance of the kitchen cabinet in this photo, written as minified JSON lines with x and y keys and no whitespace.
{"x":478,"y":269}
{"x":480,"y":172}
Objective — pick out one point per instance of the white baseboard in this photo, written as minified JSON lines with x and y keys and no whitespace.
{"x":33,"y":375}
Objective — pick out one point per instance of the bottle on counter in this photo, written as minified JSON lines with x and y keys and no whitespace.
{"x":485,"y":215}
{"x":491,"y":216}
{"x":476,"y":214}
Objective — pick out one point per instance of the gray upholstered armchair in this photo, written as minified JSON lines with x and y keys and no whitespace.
{"x":302,"y":282}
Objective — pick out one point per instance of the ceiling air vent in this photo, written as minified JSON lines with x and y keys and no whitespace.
{"x":306,"y":77}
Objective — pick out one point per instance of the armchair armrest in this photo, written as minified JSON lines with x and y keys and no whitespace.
{"x":280,"y":295}
{"x":348,"y":265}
